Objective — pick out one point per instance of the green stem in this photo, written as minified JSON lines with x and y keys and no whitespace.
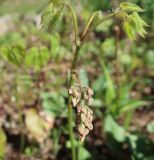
{"x":73,"y":68}
{"x":22,"y":140}
{"x":86,"y":29}
{"x":75,"y":21}
{"x":70,"y":125}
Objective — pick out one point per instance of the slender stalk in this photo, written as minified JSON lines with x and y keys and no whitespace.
{"x":70,"y":126}
{"x":75,"y":21}
{"x":73,"y":68}
{"x":22,"y":140}
{"x":86,"y":29}
{"x":117,"y":32}
{"x":74,"y":63}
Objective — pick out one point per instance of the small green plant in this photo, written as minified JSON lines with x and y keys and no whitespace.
{"x":79,"y":98}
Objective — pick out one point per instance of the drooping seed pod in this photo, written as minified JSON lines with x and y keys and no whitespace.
{"x":81,"y":98}
{"x":75,"y":94}
{"x":83,"y":131}
{"x":90,"y":92}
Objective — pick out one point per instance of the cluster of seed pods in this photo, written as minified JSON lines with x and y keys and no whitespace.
{"x":81,"y":99}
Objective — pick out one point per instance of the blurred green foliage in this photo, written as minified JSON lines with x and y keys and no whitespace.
{"x":34,"y":63}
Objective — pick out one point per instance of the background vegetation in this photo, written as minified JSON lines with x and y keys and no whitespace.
{"x":34,"y":70}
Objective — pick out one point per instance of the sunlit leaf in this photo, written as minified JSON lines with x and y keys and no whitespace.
{"x":140,"y":24}
{"x":112,"y":128}
{"x":132,"y":105}
{"x":83,"y":154}
{"x":134,"y":25}
{"x":129,"y":28}
{"x":51,"y":15}
{"x":110,"y":90}
{"x":53,"y":103}
{"x":150,"y":127}
{"x":37,"y":57}
{"x":129,"y":7}
{"x":13,"y":54}
{"x":36,"y":125}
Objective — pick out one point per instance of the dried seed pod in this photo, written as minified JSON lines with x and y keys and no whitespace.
{"x":81,"y":98}
{"x":74,"y":102}
{"x":83,"y":117}
{"x":90,"y":127}
{"x":86,"y":96}
{"x":74,"y":92}
{"x":90,"y":92}
{"x":90,"y":118}
{"x":79,"y":109}
{"x":70,"y":91}
{"x":82,"y":138}
{"x":82,"y":130}
{"x":90,"y":101}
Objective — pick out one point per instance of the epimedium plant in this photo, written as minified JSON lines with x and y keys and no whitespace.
{"x":80,"y":97}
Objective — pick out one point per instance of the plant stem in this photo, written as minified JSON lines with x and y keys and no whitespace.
{"x":70,"y":126}
{"x":22,"y":139}
{"x":117,"y":65}
{"x":86,"y":29}
{"x":73,"y":68}
{"x":75,"y":21}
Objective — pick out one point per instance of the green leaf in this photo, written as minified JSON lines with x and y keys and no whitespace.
{"x":36,"y":125}
{"x":132,"y":105}
{"x":134,"y":25}
{"x":130,"y":29}
{"x":53,"y":103}
{"x":140,"y":24}
{"x":37,"y":58}
{"x":2,"y":143}
{"x":83,"y":154}
{"x":129,"y":7}
{"x":112,"y":128}
{"x":13,"y":54}
{"x":150,"y":127}
{"x":55,"y":45}
{"x":110,"y":91}
{"x":51,"y":15}
{"x":96,"y":20}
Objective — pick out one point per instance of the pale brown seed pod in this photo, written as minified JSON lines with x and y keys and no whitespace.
{"x":76,"y":93}
{"x":79,"y":109}
{"x":74,"y":102}
{"x":82,"y":129}
{"x":90,"y":101}
{"x":84,"y":110}
{"x":70,"y":91}
{"x":90,"y":118}
{"x":85,"y":96}
{"x":83,"y":117}
{"x":82,"y":138}
{"x":87,"y":123}
{"x":90,"y":126}
{"x":90,"y":92}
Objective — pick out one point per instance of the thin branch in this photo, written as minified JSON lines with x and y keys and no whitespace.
{"x":75,"y":21}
